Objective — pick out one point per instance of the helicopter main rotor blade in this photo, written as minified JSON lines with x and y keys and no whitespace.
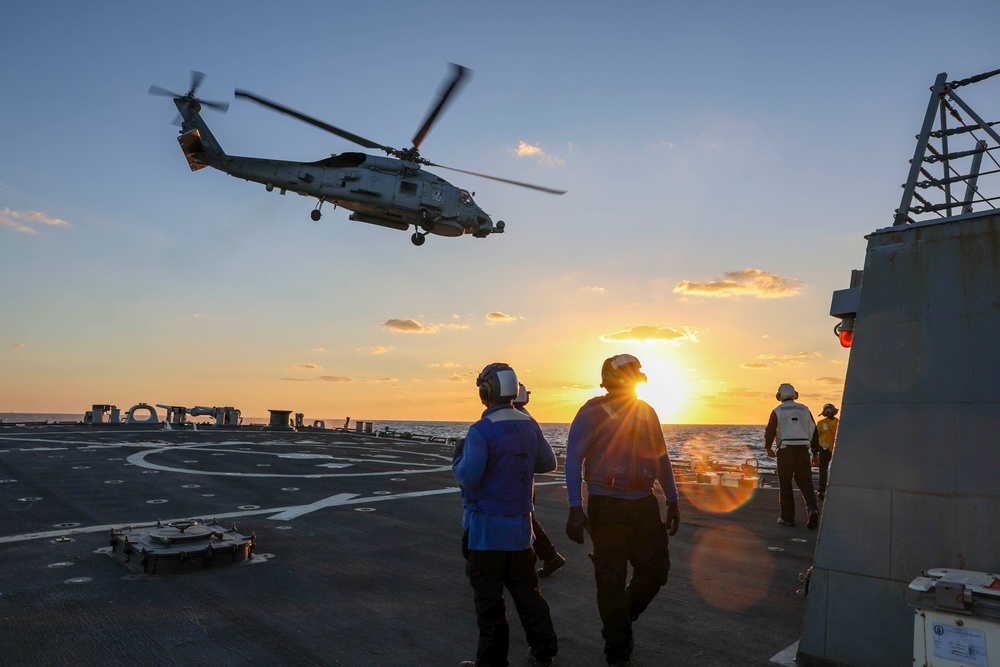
{"x":446,"y":92}
{"x":540,"y":188}
{"x":361,"y":141}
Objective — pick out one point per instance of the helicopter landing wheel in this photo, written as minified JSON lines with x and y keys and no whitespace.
{"x":316,"y":215}
{"x":417,"y":239}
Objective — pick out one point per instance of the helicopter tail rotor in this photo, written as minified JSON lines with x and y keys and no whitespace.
{"x":196,"y":80}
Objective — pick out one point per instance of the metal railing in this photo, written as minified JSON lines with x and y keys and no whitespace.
{"x":955,"y":154}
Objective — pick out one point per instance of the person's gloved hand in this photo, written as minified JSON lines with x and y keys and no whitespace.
{"x":673,"y":518}
{"x":575,"y":524}
{"x":459,"y":448}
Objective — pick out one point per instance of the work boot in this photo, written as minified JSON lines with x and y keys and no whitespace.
{"x":782,"y":522}
{"x":813,"y":522}
{"x":621,"y":662}
{"x":535,"y":661}
{"x":467,"y":663}
{"x":550,"y":565}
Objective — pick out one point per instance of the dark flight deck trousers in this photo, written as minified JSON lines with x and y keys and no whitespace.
{"x":626,"y":531}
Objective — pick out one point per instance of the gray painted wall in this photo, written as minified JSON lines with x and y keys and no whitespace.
{"x":915,"y":478}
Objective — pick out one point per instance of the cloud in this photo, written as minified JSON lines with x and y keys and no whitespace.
{"x":408,"y":325}
{"x":379,"y":349}
{"x":310,"y":367}
{"x":829,"y":380}
{"x":322,"y":378}
{"x":754,"y":366}
{"x":462,"y":377}
{"x":497,"y":316}
{"x":595,"y":289}
{"x":317,"y":349}
{"x":652,"y":334}
{"x":26,"y":222}
{"x":748,"y":282}
{"x":18,"y":345}
{"x":797,"y":359}
{"x":527,"y":150}
{"x":458,"y":326}
{"x":444,"y":364}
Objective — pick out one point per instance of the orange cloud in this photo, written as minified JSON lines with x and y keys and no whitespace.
{"x":408,"y":325}
{"x":748,"y":282}
{"x":497,"y":316}
{"x":652,"y":334}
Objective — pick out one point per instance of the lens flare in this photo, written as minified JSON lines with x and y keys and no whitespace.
{"x":719,"y":488}
{"x":731,"y":549}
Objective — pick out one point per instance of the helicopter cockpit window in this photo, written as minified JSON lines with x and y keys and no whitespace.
{"x":465,"y":197}
{"x":407,"y":188}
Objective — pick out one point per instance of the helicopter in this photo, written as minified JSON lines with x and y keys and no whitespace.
{"x":392,"y":191}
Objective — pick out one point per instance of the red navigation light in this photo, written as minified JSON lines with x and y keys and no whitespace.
{"x":846,"y":337}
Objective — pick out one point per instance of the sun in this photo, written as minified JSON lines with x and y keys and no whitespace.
{"x":664,"y":389}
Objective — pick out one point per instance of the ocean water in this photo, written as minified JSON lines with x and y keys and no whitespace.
{"x":725,"y":444}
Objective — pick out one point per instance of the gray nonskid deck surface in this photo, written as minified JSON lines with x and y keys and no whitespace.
{"x":357,"y":559}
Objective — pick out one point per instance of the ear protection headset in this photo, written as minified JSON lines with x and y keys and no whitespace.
{"x":786,"y":392}
{"x":497,"y":382}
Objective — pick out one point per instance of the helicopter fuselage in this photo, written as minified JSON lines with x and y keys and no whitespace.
{"x":384,"y":191}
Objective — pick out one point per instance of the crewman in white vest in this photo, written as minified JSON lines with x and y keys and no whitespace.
{"x":792,"y":429}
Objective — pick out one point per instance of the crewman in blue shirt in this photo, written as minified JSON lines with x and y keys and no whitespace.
{"x":616,"y":444}
{"x":495,"y":466}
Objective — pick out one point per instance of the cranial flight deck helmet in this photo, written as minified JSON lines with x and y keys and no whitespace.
{"x":829,"y":410}
{"x":497,"y":382}
{"x":786,"y":392}
{"x":522,"y":395}
{"x":621,"y":371}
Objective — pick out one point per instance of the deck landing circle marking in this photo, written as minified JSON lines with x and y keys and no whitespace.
{"x":62,"y":563}
{"x":68,"y":524}
{"x":7,"y":481}
{"x":29,"y":499}
{"x":364,"y":509}
{"x":78,"y":580}
{"x":139,"y":459}
{"x":775,"y":549}
{"x":799,"y":539}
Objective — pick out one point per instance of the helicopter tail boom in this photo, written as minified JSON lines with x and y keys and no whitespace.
{"x":200,"y":147}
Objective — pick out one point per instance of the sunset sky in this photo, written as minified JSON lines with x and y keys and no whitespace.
{"x":723,"y":162}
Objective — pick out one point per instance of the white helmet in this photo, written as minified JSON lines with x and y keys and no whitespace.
{"x":786,"y":392}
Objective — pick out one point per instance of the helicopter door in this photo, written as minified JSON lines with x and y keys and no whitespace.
{"x":407,"y":194}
